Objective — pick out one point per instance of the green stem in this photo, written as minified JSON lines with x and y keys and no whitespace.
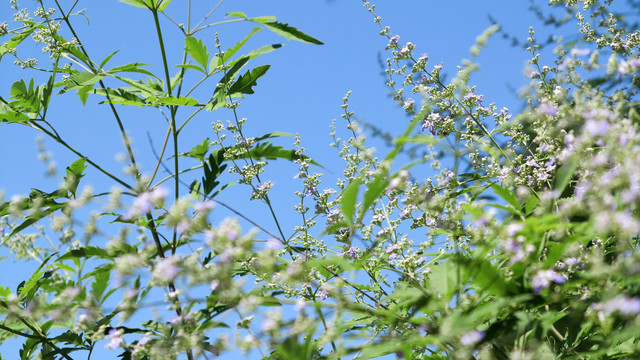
{"x":98,"y":167}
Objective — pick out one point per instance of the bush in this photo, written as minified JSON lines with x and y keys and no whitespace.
{"x":523,"y":245}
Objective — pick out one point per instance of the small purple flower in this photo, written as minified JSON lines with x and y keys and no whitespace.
{"x":144,"y":340}
{"x":423,"y":57}
{"x":352,"y":252}
{"x":622,"y":304}
{"x":394,"y":39}
{"x":543,"y":279}
{"x":265,"y":186}
{"x":573,"y":261}
{"x":204,"y":206}
{"x":472,"y":338}
{"x":579,"y":52}
{"x":534,"y":75}
{"x":116,"y":339}
{"x":310,"y":191}
{"x":408,"y":104}
{"x":323,"y":294}
{"x":274,"y":244}
{"x":548,"y":108}
{"x":438,"y":66}
{"x":167,"y":268}
{"x":175,"y":320}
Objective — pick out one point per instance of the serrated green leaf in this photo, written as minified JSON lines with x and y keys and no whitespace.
{"x":74,"y":174}
{"x":198,"y":51}
{"x":374,"y":189}
{"x":565,"y":173}
{"x":18,"y":38}
{"x":349,"y":198}
{"x":121,"y":96}
{"x":81,"y":80}
{"x":85,"y":252}
{"x":132,"y":67}
{"x":246,"y":82}
{"x":99,"y":285}
{"x":272,"y":135}
{"x":289,"y":32}
{"x":192,"y":67}
{"x":199,"y":151}
{"x":106,"y":60}
{"x":507,"y":196}
{"x":175,"y":101}
{"x":232,"y":51}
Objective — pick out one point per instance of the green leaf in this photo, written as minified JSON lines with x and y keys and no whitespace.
{"x":507,"y":196}
{"x":192,"y":67}
{"x":272,"y":135}
{"x":245,"y":82}
{"x":199,"y":151}
{"x":213,"y":168}
{"x":18,"y":38}
{"x":374,"y":189}
{"x":565,"y":173}
{"x":85,"y":252}
{"x":349,"y":198}
{"x":444,"y":278}
{"x":175,"y":101}
{"x":99,"y":285}
{"x":132,"y":67}
{"x":163,"y":4}
{"x":83,"y":82}
{"x":267,"y":150}
{"x":290,"y":32}
{"x":237,"y":14}
{"x":106,"y":60}
{"x":198,"y":51}
{"x":121,"y":96}
{"x":232,"y":51}
{"x":137,"y":3}
{"x":74,"y":174}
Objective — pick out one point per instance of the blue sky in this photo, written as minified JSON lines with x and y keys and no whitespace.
{"x":301,"y":93}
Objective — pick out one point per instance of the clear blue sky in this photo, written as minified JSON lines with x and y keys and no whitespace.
{"x":301,"y":93}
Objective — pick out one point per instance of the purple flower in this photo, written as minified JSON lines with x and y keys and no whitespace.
{"x":622,"y":304}
{"x":408,"y":104}
{"x":167,"y":268}
{"x":324,"y":294}
{"x":548,"y":108}
{"x":274,"y":244}
{"x":438,"y":66}
{"x":543,"y":279}
{"x":144,"y":340}
{"x":352,"y":252}
{"x":116,"y":339}
{"x":394,"y":39}
{"x":580,"y":52}
{"x":472,"y":338}
{"x":423,"y":57}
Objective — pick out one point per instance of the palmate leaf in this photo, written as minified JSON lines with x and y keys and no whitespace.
{"x":198,"y":51}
